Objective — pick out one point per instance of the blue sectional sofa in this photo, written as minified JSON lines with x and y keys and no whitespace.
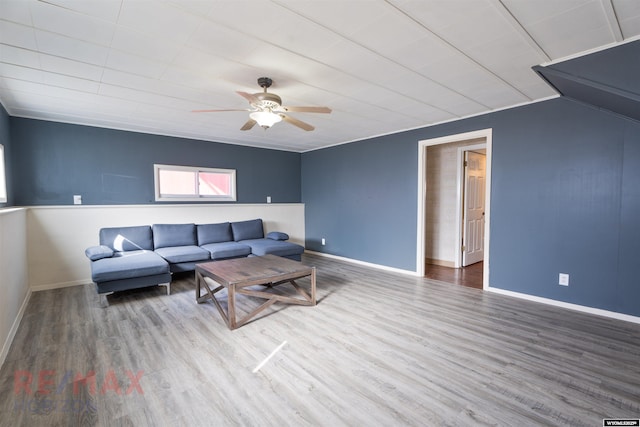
{"x":141,"y":256}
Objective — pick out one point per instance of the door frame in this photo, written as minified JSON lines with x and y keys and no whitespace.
{"x":460,"y":198}
{"x":422,"y":189}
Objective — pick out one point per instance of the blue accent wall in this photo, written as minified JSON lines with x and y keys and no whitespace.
{"x":362,"y":198}
{"x":565,"y":199}
{"x":5,"y":140}
{"x":53,"y":161}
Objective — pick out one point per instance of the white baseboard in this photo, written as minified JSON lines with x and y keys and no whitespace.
{"x":567,"y":305}
{"x":364,"y":263}
{"x":14,"y":328}
{"x":562,"y":304}
{"x":49,"y":286}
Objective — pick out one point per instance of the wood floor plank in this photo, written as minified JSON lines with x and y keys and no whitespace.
{"x":378,"y":349}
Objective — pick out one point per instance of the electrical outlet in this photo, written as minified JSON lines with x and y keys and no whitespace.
{"x":324,"y":242}
{"x":268,"y":199}
{"x":77,"y":199}
{"x":563,"y":279}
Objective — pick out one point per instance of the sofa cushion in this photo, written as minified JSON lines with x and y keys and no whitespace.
{"x":176,"y":254}
{"x":127,"y":238}
{"x":126,"y":265}
{"x":222,"y":250}
{"x":95,"y":253}
{"x":245,"y":230}
{"x":277,"y":235}
{"x":262,"y":247}
{"x":167,"y":235}
{"x":214,"y":233}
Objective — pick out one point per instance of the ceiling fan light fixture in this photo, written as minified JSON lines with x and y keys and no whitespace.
{"x":266,"y":109}
{"x":265,"y":119}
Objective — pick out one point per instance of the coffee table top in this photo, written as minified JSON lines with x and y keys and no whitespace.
{"x":252,"y":270}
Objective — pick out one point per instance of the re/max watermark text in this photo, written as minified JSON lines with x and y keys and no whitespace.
{"x":49,"y":382}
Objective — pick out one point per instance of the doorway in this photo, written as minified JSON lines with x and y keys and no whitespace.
{"x":448,"y":257}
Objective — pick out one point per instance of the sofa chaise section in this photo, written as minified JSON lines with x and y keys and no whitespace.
{"x":251,"y":233}
{"x":125,"y":260}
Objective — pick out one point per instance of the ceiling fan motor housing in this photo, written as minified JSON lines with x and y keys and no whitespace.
{"x":268,"y":100}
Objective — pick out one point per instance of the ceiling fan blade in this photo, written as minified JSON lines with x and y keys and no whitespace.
{"x":250,"y":123}
{"x":308,"y":109}
{"x":298,"y":123}
{"x":249,"y":97}
{"x":213,"y":111}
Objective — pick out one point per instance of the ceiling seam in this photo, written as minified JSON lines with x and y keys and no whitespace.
{"x":97,"y":81}
{"x":137,"y":89}
{"x":35,"y":39}
{"x":382,"y":56}
{"x":113,"y":36}
{"x":69,"y":10}
{"x":340,"y":94}
{"x":110,"y":96}
{"x":170,"y":63}
{"x":146,"y":58}
{"x":612,"y":19}
{"x":496,"y":76}
{"x":520,"y":29}
{"x":223,"y":25}
{"x":104,"y":67}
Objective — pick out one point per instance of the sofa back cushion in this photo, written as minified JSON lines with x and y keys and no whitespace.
{"x":166,"y":235}
{"x":122,"y":239}
{"x":214,"y":233}
{"x":245,"y":230}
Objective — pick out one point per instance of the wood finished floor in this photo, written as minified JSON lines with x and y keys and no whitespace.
{"x":379,"y":349}
{"x":470,"y":276}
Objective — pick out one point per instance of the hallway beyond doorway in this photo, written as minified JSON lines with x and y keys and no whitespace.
{"x":469,"y":276}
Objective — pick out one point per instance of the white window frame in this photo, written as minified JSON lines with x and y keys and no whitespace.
{"x":196,"y":197}
{"x":3,"y":177}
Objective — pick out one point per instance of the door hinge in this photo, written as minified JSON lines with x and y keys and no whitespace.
{"x":466,"y":163}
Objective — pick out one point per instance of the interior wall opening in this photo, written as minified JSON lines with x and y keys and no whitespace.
{"x":455,"y":207}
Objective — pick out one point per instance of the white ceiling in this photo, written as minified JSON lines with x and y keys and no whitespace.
{"x":382,"y":66}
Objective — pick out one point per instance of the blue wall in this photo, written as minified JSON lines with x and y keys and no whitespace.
{"x":564,"y":193}
{"x":362,"y":197}
{"x":53,"y":161}
{"x":5,"y":140}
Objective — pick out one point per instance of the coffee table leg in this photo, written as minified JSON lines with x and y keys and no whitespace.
{"x":198,"y":278}
{"x":313,"y":285}
{"x":231,"y":309}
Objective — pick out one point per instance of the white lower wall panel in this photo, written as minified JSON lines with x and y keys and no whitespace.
{"x":14,"y":282}
{"x":57,"y":236}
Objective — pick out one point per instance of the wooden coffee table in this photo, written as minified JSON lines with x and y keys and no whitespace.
{"x":236,"y":275}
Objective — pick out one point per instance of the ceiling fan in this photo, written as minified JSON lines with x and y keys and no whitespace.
{"x":266,"y":109}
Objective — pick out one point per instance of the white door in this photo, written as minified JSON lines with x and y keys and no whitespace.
{"x":473,"y":210}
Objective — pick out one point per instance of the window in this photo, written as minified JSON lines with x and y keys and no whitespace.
{"x":3,"y":180}
{"x":183,"y":183}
